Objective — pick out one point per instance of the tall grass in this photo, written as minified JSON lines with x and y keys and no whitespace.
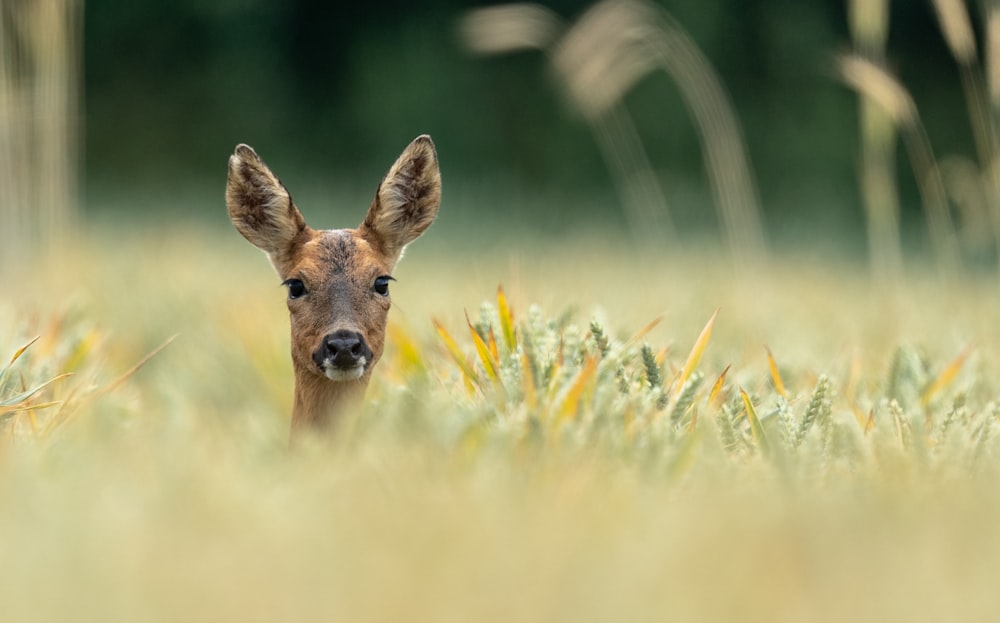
{"x":958,"y":187}
{"x":603,"y":55}
{"x":40,"y":80}
{"x":637,"y":456}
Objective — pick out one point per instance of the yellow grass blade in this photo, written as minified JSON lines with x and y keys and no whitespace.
{"x":644,"y":331}
{"x":945,"y":378}
{"x":755,"y":428}
{"x":492,"y":343}
{"x":695,"y":355}
{"x":485,"y":356}
{"x":714,"y":396}
{"x":21,"y":350}
{"x":506,"y":320}
{"x":554,"y":377}
{"x":870,"y":424}
{"x":569,"y":406}
{"x":17,"y":355}
{"x":456,"y":353}
{"x":408,"y":351}
{"x":79,"y":354}
{"x":779,"y":385}
{"x":661,"y":355}
{"x":859,"y":415}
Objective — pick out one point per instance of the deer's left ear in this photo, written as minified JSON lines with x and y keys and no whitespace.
{"x":407,"y":200}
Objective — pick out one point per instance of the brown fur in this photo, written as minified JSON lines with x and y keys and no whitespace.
{"x":338,"y":267}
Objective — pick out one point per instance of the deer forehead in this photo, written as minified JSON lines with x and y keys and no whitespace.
{"x":338,"y":253}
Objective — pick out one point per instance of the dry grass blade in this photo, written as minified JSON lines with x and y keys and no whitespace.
{"x":506,"y":320}
{"x":570,"y":402}
{"x":870,"y":424}
{"x":859,"y":415}
{"x":17,"y":355}
{"x":993,"y":52}
{"x":128,"y":374}
{"x":40,"y":44}
{"x":4,"y":412}
{"x":869,"y":22}
{"x":407,"y":348}
{"x":508,"y":28}
{"x":20,"y":402}
{"x":694,"y":357}
{"x":715,"y":396}
{"x":957,"y":29}
{"x":604,"y":54}
{"x":779,"y":384}
{"x":946,"y":377}
{"x":494,"y":349}
{"x":63,"y":414}
{"x":644,"y":331}
{"x":614,"y":45}
{"x":875,"y":83}
{"x":456,"y":353}
{"x":82,"y":350}
{"x":490,"y":364}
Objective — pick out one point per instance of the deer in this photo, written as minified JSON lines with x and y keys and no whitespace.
{"x":337,"y":280}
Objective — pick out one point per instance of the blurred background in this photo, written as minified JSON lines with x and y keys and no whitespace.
{"x":741,"y":121}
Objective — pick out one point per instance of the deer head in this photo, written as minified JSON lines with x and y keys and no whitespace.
{"x":337,"y":279}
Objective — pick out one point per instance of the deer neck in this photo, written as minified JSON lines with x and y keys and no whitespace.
{"x":320,"y":402}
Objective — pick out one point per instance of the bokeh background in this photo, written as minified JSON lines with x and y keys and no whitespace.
{"x":720,"y":227}
{"x":329,"y":94}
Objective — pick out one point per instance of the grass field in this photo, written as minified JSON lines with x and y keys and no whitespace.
{"x":825,"y":449}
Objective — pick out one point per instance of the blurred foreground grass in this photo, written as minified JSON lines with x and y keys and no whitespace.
{"x":566,"y":485}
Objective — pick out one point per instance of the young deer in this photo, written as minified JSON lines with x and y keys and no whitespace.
{"x":337,"y":279}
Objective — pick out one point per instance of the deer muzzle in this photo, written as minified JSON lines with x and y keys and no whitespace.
{"x":343,"y":355}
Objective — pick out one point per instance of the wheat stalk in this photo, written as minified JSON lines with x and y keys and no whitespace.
{"x":599,"y":59}
{"x":40,"y":42}
{"x":878,"y":86}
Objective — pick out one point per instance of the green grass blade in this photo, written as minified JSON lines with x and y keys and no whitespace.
{"x":755,"y":427}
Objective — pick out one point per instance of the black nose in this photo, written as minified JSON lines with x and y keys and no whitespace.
{"x":343,"y":349}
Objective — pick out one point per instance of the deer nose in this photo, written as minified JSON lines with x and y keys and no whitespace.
{"x":343,"y":349}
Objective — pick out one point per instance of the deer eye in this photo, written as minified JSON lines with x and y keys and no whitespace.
{"x":382,"y":285}
{"x":295,"y":288}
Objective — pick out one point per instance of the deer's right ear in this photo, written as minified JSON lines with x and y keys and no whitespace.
{"x":260,"y":206}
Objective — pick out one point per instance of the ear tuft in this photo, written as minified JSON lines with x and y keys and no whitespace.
{"x":259,"y":204}
{"x":407,"y":200}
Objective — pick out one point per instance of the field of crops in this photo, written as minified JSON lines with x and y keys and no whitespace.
{"x":621,"y":434}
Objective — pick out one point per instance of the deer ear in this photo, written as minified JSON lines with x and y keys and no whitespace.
{"x":259,"y":204}
{"x":407,"y":200}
